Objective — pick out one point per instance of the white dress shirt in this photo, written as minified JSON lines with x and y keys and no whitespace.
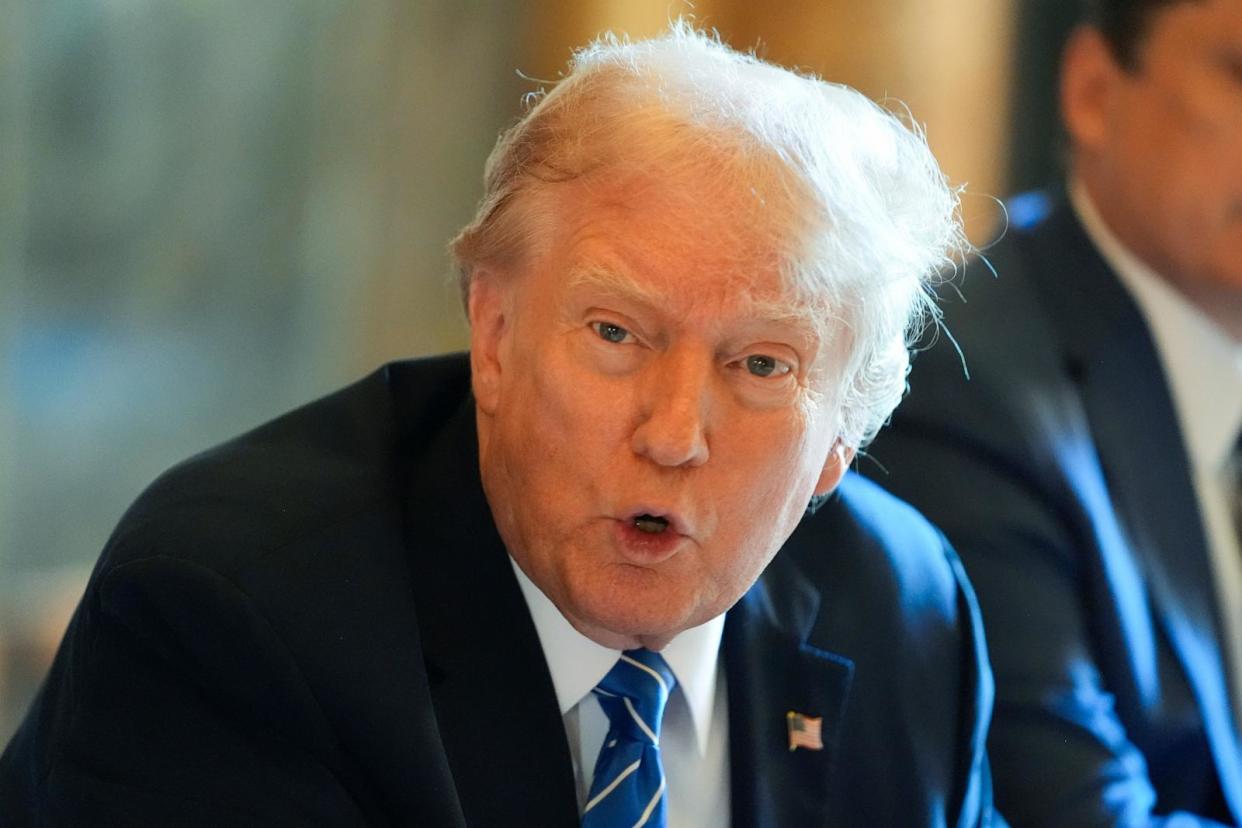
{"x":694,"y":740}
{"x":1203,"y":365}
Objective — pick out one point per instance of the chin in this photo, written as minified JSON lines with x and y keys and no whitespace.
{"x":640,"y":611}
{"x":628,"y":620}
{"x":623,"y":612}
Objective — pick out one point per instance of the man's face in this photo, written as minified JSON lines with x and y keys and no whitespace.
{"x":653,"y":418}
{"x":1167,"y":168}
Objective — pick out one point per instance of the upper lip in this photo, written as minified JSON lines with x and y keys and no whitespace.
{"x":675,"y":521}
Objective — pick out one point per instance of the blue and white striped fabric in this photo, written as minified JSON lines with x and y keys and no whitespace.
{"x":628,"y":787}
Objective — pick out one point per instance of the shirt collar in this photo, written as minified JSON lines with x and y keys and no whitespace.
{"x":577,"y":663}
{"x":1201,"y":361}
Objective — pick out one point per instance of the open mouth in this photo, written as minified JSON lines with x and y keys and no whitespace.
{"x":651,"y":524}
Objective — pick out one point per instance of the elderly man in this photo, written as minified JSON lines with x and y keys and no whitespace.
{"x":570,"y":578}
{"x":1087,"y":468}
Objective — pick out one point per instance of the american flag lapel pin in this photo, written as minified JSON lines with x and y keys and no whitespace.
{"x":804,"y":731}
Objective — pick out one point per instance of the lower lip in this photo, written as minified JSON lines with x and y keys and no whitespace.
{"x":646,"y":547}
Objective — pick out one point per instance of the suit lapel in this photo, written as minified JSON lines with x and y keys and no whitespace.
{"x":1141,"y":450}
{"x":494,"y":700}
{"x":771,"y":670}
{"x":1143,"y":456}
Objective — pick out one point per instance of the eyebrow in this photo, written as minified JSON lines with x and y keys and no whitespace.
{"x":624,"y":287}
{"x":615,"y":283}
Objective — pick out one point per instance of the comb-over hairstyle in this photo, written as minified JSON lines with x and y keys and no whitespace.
{"x":846,"y":194}
{"x":1124,"y":24}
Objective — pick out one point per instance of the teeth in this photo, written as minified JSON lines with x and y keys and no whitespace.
{"x":650,"y":524}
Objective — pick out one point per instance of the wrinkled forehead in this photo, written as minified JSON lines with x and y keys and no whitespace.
{"x":697,"y":171}
{"x":709,"y":217}
{"x":686,"y":241}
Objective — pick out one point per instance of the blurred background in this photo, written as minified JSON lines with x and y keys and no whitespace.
{"x":213,"y":210}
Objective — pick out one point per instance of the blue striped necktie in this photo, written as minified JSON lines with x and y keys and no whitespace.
{"x":628,"y":787}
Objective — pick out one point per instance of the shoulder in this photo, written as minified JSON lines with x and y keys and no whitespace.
{"x":269,"y":570}
{"x":1033,"y":299}
{"x":1000,"y":308}
{"x":895,"y":599}
{"x":880,"y":558}
{"x":1001,"y":371}
{"x":255,"y":598}
{"x":293,"y":478}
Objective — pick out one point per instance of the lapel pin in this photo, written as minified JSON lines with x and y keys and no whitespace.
{"x":804,"y":731}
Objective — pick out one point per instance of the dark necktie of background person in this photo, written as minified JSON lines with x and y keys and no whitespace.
{"x":628,"y":787}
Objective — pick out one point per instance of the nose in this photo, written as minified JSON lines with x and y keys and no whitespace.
{"x":672,"y":430}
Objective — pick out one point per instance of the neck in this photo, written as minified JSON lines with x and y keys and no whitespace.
{"x":1221,"y":304}
{"x":617,"y":641}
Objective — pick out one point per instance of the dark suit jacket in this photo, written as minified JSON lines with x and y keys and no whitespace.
{"x":1059,"y":474}
{"x":317,"y":624}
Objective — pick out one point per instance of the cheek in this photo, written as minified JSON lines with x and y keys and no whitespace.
{"x":1199,"y":144}
{"x":574,"y":400}
{"x":774,"y":477}
{"x":759,"y":513}
{"x":563,"y":423}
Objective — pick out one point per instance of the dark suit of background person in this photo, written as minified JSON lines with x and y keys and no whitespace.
{"x":1059,"y":470}
{"x":318,"y":624}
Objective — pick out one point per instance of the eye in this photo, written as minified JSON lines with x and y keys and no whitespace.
{"x":609,"y":332}
{"x":761,"y":365}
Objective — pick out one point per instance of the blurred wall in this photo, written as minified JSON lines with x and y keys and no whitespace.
{"x":947,"y":60}
{"x":210,"y":212}
{"x":1036,"y":143}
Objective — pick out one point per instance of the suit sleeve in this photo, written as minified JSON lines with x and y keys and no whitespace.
{"x":1059,"y":753}
{"x":172,"y":701}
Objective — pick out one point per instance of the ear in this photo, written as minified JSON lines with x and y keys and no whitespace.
{"x":488,"y":308}
{"x":1091,"y":78}
{"x":839,"y":458}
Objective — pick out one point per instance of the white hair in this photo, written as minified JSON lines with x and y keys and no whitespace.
{"x":854,"y":202}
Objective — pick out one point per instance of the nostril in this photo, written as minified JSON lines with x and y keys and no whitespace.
{"x":650,"y":524}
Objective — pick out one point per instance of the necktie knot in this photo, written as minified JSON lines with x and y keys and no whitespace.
{"x":633,"y":695}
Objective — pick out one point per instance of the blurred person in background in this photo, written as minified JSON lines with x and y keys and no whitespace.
{"x":1087,"y":470}
{"x":520,"y":586}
